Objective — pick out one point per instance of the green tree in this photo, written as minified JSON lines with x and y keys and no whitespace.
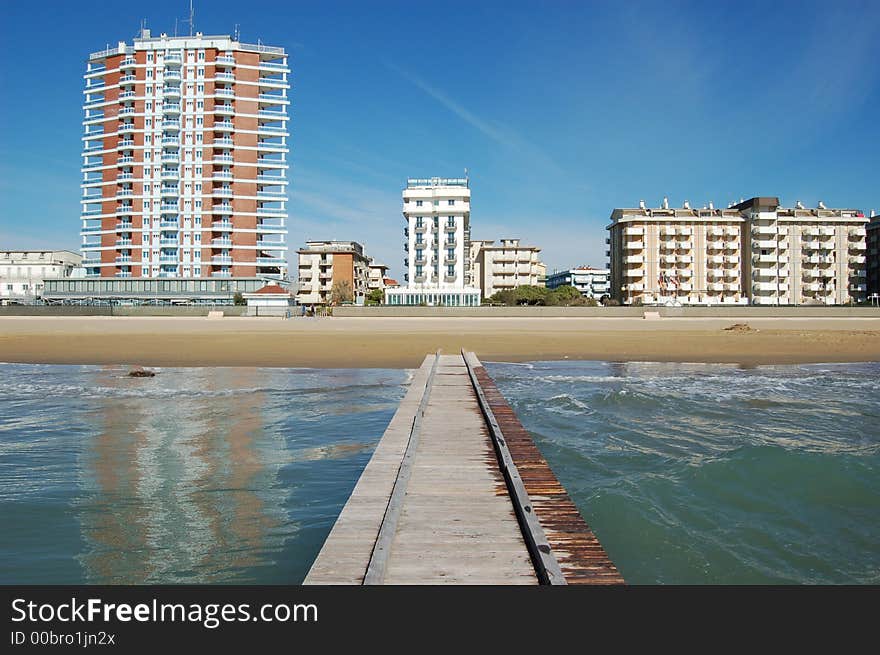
{"x":341,"y":292}
{"x":564,"y":295}
{"x":375,"y":297}
{"x":238,"y":299}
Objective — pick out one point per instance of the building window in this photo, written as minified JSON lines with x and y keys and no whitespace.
{"x":418,"y":203}
{"x":451,"y":202}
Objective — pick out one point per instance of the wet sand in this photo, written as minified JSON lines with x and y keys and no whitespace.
{"x":403,"y":342}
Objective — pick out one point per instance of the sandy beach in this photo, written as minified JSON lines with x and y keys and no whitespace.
{"x":403,"y":342}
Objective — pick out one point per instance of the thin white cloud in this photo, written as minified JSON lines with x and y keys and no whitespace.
{"x":493,"y":131}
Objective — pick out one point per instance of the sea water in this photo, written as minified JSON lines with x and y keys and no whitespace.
{"x":688,"y":473}
{"x":713,"y":473}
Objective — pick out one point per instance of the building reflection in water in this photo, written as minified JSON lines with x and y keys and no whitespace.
{"x":181,"y":479}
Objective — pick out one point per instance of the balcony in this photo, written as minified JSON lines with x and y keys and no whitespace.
{"x":858,"y":287}
{"x":172,"y":76}
{"x":171,"y":108}
{"x":168,"y":259}
{"x":221,"y":242}
{"x":272,"y":98}
{"x":126,"y":127}
{"x":224,"y":142}
{"x":224,"y":109}
{"x":715,"y":245}
{"x":221,"y":175}
{"x":169,"y":141}
{"x":271,"y":210}
{"x":226,"y":60}
{"x":634,"y":231}
{"x":170,"y":174}
{"x":634,"y":245}
{"x":224,"y":77}
{"x":816,"y":245}
{"x":271,"y":261}
{"x":634,"y":272}
{"x":123,"y":259}
{"x":126,"y":94}
{"x":222,"y":208}
{"x":171,"y":91}
{"x":225,"y":93}
{"x":123,"y":274}
{"x":768,"y":244}
{"x":221,"y":259}
{"x":857,"y":246}
{"x":638,"y":259}
{"x":170,"y":158}
{"x":169,"y":225}
{"x":125,"y":143}
{"x":857,"y":259}
{"x":170,"y":190}
{"x":123,"y":243}
{"x":271,"y":129}
{"x":124,"y":209}
{"x":122,"y":193}
{"x":668,"y":231}
{"x":684,"y":272}
{"x":272,"y":195}
{"x":222,"y":159}
{"x":818,"y":259}
{"x":166,"y":242}
{"x":171,"y":126}
{"x":770,"y":259}
{"x":128,"y":62}
{"x":765,"y":230}
{"x":173,"y":59}
{"x":223,"y":126}
{"x":124,"y":226}
{"x":225,"y":192}
{"x":685,"y":259}
{"x":769,"y":286}
{"x":221,"y":226}
{"x":126,"y":111}
{"x":857,"y":233}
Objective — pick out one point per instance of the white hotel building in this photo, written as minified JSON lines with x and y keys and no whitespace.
{"x":184,"y":160}
{"x":437,"y":245}
{"x":755,"y":252}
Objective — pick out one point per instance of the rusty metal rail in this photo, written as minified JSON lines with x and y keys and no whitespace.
{"x":563,"y":548}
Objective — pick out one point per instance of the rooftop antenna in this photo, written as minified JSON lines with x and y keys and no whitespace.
{"x":236,"y":33}
{"x":175,"y":26}
{"x":192,"y":14}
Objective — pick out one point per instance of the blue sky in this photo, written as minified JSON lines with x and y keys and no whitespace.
{"x":560,"y":110}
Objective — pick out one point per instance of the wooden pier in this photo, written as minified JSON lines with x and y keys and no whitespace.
{"x":457,"y":493}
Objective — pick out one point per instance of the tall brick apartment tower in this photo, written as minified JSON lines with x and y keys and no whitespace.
{"x":184,"y":159}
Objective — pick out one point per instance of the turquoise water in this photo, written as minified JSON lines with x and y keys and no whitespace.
{"x":694,"y":473}
{"x":688,"y":473}
{"x":222,"y":475}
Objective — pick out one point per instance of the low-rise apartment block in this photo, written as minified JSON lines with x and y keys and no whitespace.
{"x":504,"y":266}
{"x":22,"y":272}
{"x":755,"y":252}
{"x":591,"y":282}
{"x":378,"y":275}
{"x":872,"y":263}
{"x":324,"y":263}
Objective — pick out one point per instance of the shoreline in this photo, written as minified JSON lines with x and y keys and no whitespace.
{"x":403,"y":342}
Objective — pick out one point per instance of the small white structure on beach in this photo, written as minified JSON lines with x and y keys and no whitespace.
{"x":271,"y":300}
